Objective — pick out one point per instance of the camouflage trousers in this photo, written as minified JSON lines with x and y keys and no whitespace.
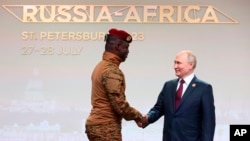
{"x":104,"y":132}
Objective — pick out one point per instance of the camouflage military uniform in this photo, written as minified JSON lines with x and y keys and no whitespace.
{"x":104,"y":132}
{"x":108,"y":101}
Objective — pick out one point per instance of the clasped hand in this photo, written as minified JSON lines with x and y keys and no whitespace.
{"x":143,"y":122}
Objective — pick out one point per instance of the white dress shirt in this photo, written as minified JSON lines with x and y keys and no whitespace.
{"x":187,"y":80}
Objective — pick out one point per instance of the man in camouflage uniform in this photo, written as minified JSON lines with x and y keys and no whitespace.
{"x":109,"y":105}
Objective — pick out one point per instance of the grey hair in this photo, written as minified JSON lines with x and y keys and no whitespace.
{"x":191,"y":58}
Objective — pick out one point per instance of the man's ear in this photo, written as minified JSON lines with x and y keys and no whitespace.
{"x":118,"y":47}
{"x":192,"y":64}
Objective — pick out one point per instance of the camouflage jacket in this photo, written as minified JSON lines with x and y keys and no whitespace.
{"x":108,"y":98}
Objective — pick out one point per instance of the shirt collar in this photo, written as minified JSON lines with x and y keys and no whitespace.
{"x":188,"y":79}
{"x":110,"y":57}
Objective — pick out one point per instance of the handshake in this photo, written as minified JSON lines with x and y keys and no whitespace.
{"x":143,"y":122}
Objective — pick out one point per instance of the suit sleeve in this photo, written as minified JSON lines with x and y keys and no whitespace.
{"x":157,"y":111}
{"x":113,"y":81}
{"x":208,"y":114}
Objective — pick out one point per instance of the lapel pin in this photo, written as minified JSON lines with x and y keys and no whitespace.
{"x":193,"y":85}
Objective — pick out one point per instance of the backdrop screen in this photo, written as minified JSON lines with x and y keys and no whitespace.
{"x":48,"y":50}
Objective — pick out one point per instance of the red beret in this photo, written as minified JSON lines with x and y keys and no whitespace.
{"x":121,"y":34}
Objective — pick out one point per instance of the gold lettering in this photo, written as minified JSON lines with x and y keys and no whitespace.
{"x":69,"y":50}
{"x":168,"y":15}
{"x":86,"y":36}
{"x":28,"y":35}
{"x":51,"y":14}
{"x":79,"y":50}
{"x":82,"y":15}
{"x":78,"y":36}
{"x":63,"y":12}
{"x":179,"y":13}
{"x":148,"y":14}
{"x":57,"y":35}
{"x":50,"y":36}
{"x":43,"y":35}
{"x":91,"y":13}
{"x":101,"y":35}
{"x":64,"y":36}
{"x":104,"y":15}
{"x":29,"y":13}
{"x":187,"y":12}
{"x":118,"y":14}
{"x":210,"y":16}
{"x":71,"y":36}
{"x":132,"y":15}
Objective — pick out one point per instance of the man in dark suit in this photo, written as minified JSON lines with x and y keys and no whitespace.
{"x":191,"y":117}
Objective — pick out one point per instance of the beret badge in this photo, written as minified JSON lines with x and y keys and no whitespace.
{"x":129,"y":38}
{"x":121,"y":34}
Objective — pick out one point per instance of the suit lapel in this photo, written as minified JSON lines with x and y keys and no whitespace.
{"x":173,"y":92}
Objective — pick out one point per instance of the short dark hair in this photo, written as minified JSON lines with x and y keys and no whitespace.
{"x":111,"y":41}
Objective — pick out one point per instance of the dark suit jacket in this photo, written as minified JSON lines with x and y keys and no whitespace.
{"x":193,"y":120}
